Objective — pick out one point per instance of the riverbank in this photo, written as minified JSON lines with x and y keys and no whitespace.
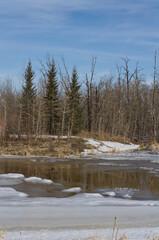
{"x":61,"y":147}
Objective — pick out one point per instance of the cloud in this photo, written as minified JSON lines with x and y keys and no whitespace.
{"x":42,"y":15}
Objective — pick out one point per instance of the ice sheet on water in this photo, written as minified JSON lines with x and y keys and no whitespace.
{"x":72,"y":190}
{"x":108,"y":193}
{"x":7,"y":192}
{"x":4,"y":178}
{"x":38,"y":180}
{"x":10,"y":181}
{"x":72,"y":234}
{"x":12,"y":175}
{"x":80,"y":200}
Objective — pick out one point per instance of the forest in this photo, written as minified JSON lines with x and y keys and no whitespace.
{"x":63,"y":104}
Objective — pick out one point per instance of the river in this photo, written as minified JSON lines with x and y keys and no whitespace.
{"x":83,"y":193}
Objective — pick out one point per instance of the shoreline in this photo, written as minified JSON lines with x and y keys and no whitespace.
{"x":52,"y":146}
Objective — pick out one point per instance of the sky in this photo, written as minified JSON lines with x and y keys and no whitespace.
{"x":78,"y":30}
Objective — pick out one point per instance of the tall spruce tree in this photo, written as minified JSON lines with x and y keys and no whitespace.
{"x":28,"y":99}
{"x":51,"y":98}
{"x":76,"y":112}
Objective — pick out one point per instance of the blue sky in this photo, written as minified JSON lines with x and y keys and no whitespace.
{"x":78,"y":30}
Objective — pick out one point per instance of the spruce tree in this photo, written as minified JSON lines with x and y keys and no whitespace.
{"x":28,"y":99}
{"x":51,"y":98}
{"x":76,"y":113}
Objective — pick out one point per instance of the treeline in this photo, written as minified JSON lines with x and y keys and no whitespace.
{"x":63,"y":104}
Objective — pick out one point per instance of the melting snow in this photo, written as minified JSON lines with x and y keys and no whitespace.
{"x":73,"y":234}
{"x":72,"y":190}
{"x":12,"y":175}
{"x":111,"y":194}
{"x":10,"y":192}
{"x":38,"y":180}
{"x":107,"y":146}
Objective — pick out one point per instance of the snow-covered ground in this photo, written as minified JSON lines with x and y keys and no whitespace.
{"x":99,"y":146}
{"x":75,"y":217}
{"x":96,"y":234}
{"x":108,"y":147}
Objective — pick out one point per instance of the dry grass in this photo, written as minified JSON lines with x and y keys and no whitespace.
{"x":104,"y":137}
{"x":94,"y":237}
{"x":2,"y":235}
{"x":114,"y":234}
{"x":155,"y":146}
{"x":43,"y":147}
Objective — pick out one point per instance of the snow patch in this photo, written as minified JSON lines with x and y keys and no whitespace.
{"x":37,"y":180}
{"x":107,"y":146}
{"x":126,"y":196}
{"x":110,"y":194}
{"x":72,"y":190}
{"x":12,"y":175}
{"x":6,"y":192}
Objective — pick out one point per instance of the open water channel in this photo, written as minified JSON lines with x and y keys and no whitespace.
{"x":128,"y":175}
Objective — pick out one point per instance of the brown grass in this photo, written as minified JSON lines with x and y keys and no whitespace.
{"x":43,"y":147}
{"x":155,"y":146}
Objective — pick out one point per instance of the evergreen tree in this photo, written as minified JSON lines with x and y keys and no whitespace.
{"x":76,"y":113}
{"x":51,"y":98}
{"x":28,"y":99}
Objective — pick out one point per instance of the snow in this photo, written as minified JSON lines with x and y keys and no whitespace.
{"x":17,"y":176}
{"x":82,"y":200}
{"x":107,"y":146}
{"x":82,"y":215}
{"x":100,"y":146}
{"x":78,"y":216}
{"x":6,"y":192}
{"x":111,"y":194}
{"x":73,"y":234}
{"x":12,"y":175}
{"x":72,"y":190}
{"x":37,"y":180}
{"x":126,"y":196}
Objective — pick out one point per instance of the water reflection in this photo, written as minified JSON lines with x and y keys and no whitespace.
{"x":91,"y":178}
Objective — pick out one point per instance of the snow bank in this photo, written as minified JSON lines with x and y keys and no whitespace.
{"x":17,"y":176}
{"x":6,"y":192}
{"x":37,"y":180}
{"x":107,"y":146}
{"x":74,"y":234}
{"x":78,"y":200}
{"x":110,"y":194}
{"x":72,"y":190}
{"x":12,"y":175}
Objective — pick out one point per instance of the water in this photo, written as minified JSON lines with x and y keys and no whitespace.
{"x":112,"y":175}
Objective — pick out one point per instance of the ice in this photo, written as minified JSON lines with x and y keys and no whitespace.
{"x":82,"y":200}
{"x":111,"y":194}
{"x":6,"y":192}
{"x":73,"y":234}
{"x":72,"y":190}
{"x":10,"y":181}
{"x":38,"y":180}
{"x":126,"y":196}
{"x":12,"y":175}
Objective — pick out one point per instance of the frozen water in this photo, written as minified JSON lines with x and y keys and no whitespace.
{"x":72,"y":234}
{"x":72,"y":190}
{"x":38,"y":180}
{"x":111,"y":194}
{"x":10,"y":193}
{"x":12,"y":175}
